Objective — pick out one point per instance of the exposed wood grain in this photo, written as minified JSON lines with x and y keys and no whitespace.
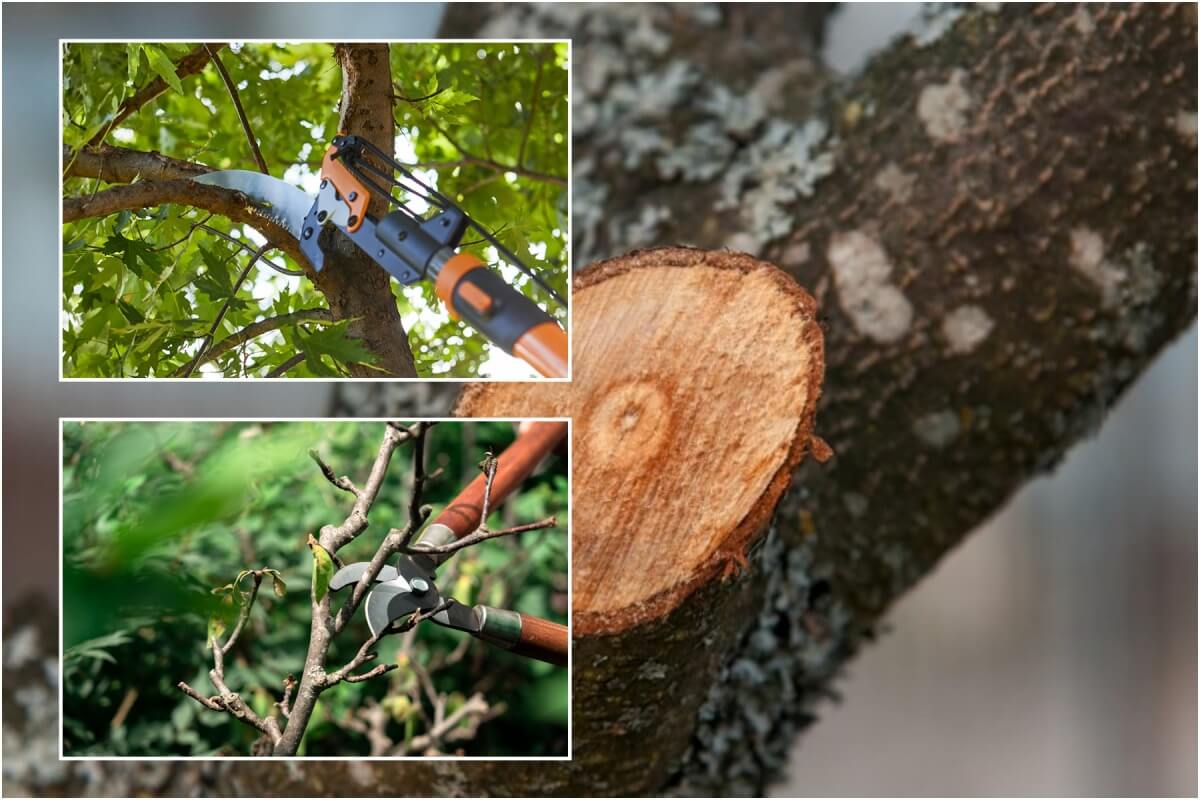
{"x":698,"y":376}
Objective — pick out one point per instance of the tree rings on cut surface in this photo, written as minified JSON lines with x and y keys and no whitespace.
{"x":695,"y":380}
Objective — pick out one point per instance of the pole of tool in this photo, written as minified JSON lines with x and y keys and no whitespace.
{"x":463,"y":515}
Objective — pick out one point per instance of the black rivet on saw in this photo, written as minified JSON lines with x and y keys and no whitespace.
{"x":352,"y":221}
{"x":324,"y":183}
{"x":308,"y":233}
{"x":321,"y":215}
{"x":353,"y":196}
{"x":402,"y":235}
{"x":379,"y":254}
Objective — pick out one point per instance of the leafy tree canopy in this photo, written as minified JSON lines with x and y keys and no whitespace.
{"x":141,"y":289}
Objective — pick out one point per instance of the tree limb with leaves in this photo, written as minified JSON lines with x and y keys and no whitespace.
{"x":142,"y":287}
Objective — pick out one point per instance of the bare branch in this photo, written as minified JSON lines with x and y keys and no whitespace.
{"x":482,"y":533}
{"x":241,"y":112}
{"x":213,"y":703}
{"x":289,"y":684}
{"x":476,"y":708}
{"x":335,"y":537}
{"x":343,"y":483}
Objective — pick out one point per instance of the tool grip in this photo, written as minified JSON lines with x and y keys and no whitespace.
{"x":524,"y":635}
{"x":544,"y":640}
{"x":480,"y":297}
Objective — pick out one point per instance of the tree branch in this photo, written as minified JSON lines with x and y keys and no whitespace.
{"x":481,"y":533}
{"x":187,"y":66}
{"x":256,"y":329}
{"x":241,"y":112}
{"x":208,"y":337}
{"x":227,"y":700}
{"x":124,"y":165}
{"x":148,"y":194}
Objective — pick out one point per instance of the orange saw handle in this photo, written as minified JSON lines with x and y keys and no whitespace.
{"x":480,"y":297}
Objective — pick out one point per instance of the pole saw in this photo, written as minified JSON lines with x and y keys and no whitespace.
{"x":410,"y":246}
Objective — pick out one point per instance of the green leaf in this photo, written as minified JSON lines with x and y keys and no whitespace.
{"x":133,"y":53}
{"x":322,"y":572}
{"x":335,"y":342}
{"x":161,"y":63}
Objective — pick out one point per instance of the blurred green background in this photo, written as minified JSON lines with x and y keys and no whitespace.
{"x":157,"y":514}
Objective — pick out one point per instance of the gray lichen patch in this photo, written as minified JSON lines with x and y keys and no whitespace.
{"x":756,"y":705}
{"x":861,"y":272}
{"x":895,"y":182}
{"x":965,"y":328}
{"x":1088,"y":259}
{"x":1084,"y":23}
{"x":1184,"y":124}
{"x":942,"y":108}
{"x":938,"y":429}
{"x":783,"y":164}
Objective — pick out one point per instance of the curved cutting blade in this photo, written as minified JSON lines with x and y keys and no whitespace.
{"x":389,"y":601}
{"x":280,"y":201}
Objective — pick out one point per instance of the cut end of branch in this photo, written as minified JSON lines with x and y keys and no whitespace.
{"x":693,"y":403}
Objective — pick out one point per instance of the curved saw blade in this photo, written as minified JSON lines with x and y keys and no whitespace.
{"x":279,"y":201}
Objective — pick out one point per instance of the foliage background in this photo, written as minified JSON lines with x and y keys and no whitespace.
{"x":145,"y":543}
{"x":138,"y":296}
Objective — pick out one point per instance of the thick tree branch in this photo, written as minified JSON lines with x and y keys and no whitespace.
{"x":187,"y":66}
{"x":148,"y":194}
{"x":356,"y":288}
{"x":124,"y":165}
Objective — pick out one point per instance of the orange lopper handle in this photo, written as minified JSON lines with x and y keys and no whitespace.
{"x":474,"y":293}
{"x":544,"y":640}
{"x":535,"y":441}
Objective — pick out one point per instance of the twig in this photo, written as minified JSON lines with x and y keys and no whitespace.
{"x":289,"y":684}
{"x":212,"y":330}
{"x":481,"y":533}
{"x":241,"y":112}
{"x":225,"y":699}
{"x":287,"y":365}
{"x":533,"y":104}
{"x":343,"y":483}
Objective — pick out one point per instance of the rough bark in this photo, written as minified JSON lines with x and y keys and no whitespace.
{"x":354,"y":284}
{"x":961,"y":406}
{"x":123,"y":165}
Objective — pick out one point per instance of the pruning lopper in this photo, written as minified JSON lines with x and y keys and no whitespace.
{"x":409,"y":245}
{"x":410,"y":586}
